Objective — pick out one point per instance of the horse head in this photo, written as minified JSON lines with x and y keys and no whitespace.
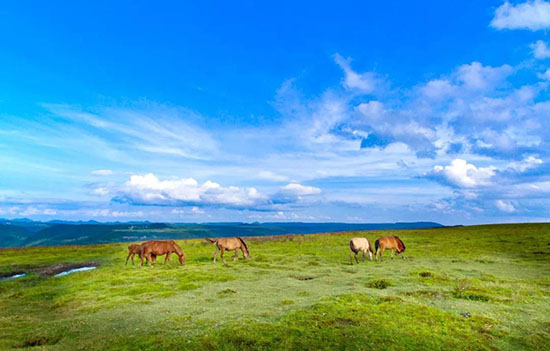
{"x":246,"y":252}
{"x":179,"y":252}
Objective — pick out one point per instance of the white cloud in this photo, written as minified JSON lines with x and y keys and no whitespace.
{"x":438,"y":88}
{"x":505,"y":206}
{"x":32,"y":210}
{"x":300,"y":190}
{"x":155,"y":129}
{"x":196,"y":210}
{"x":367,"y":82}
{"x":533,"y":15}
{"x":102,"y":172}
{"x":273,"y":176}
{"x":118,"y":214}
{"x":540,"y":50}
{"x":101,"y":191}
{"x":177,"y":211}
{"x":150,"y":190}
{"x":476,"y":76}
{"x":463,"y":174}
{"x":528,"y":163}
{"x":372,"y":110}
{"x":544,"y":75}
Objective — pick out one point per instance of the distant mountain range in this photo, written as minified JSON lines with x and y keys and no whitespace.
{"x":25,"y":232}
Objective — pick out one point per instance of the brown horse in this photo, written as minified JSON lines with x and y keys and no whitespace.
{"x":135,"y":249}
{"x":390,"y":243}
{"x":153,"y":248}
{"x":230,"y":244}
{"x":357,"y":245}
{"x":132,"y":251}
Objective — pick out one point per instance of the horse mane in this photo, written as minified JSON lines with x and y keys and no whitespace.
{"x":177,"y":248}
{"x":401,"y":243}
{"x":244,"y":244}
{"x":211,"y":241}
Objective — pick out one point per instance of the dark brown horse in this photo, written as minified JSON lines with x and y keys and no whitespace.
{"x":155,"y":248}
{"x":391,"y":243}
{"x":230,"y":244}
{"x":135,"y":249}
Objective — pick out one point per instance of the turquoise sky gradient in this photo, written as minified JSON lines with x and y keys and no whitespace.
{"x":347,"y":111}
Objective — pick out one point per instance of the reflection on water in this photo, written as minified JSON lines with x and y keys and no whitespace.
{"x":81,"y":269}
{"x":19,"y":275}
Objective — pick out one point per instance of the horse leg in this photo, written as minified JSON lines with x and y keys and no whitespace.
{"x":216,"y":253}
{"x":129,"y":254}
{"x":236,"y":255}
{"x":350,"y":258}
{"x":167,"y":258}
{"x":222,"y":251}
{"x":381,"y":254}
{"x":392,"y":253}
{"x":363,"y":260}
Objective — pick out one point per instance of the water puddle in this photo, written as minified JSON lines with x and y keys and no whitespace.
{"x":15,"y":276}
{"x":74,"y":270}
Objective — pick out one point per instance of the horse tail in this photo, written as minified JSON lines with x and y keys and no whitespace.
{"x":376,"y":245}
{"x":211,"y":241}
{"x":370,"y":246}
{"x":351,"y":247}
{"x":244,"y":244}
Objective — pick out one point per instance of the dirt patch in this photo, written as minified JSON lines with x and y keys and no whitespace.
{"x":37,"y":341}
{"x":49,"y":271}
{"x":303,"y":277}
{"x":426,"y":274}
{"x":226,"y":292}
{"x":426,"y":293}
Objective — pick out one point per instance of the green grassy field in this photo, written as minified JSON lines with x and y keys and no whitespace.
{"x":462,"y":288}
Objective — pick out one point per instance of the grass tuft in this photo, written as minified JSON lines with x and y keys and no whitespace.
{"x":379,"y":284}
{"x":226,"y":292}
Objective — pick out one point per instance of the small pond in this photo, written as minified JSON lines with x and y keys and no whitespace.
{"x":14,"y":276}
{"x":74,"y":270}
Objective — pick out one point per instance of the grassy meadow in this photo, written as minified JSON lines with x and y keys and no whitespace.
{"x":460,"y":288}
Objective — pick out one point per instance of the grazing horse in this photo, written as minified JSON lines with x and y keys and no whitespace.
{"x":390,"y":243}
{"x":359,"y":244}
{"x":153,"y":248}
{"x":230,"y":244}
{"x":132,"y":251}
{"x":135,"y":249}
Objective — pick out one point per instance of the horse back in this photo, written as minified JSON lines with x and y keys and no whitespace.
{"x":134,"y":248}
{"x":158,"y":247}
{"x":360,"y":244}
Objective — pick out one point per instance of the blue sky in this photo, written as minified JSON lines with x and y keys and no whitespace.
{"x":321,"y":111}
